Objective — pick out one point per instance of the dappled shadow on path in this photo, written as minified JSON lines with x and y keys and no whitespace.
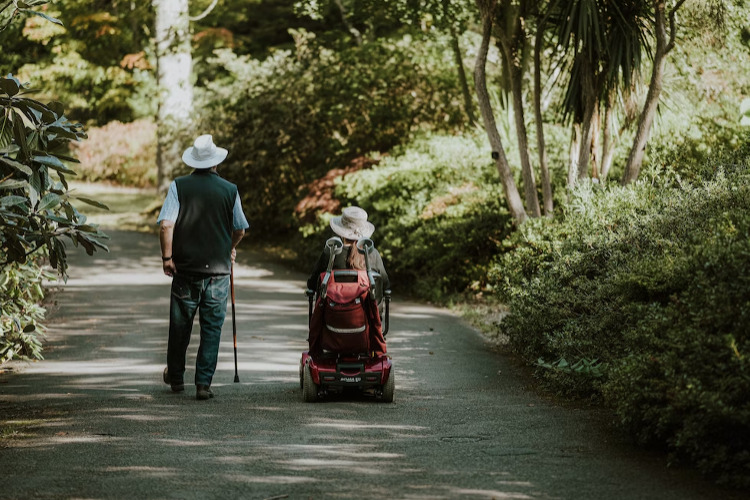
{"x":95,"y":420}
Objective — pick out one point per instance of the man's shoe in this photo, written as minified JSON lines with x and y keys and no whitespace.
{"x":175,"y":387}
{"x":203,"y":392}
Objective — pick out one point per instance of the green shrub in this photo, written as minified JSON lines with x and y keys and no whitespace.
{"x":36,"y":206}
{"x":21,"y":314}
{"x":37,"y":213}
{"x":652,"y":282}
{"x":120,"y":153}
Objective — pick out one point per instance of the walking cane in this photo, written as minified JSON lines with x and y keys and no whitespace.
{"x":234,"y":325}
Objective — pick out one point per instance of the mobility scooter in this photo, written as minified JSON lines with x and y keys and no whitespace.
{"x":347,"y":351}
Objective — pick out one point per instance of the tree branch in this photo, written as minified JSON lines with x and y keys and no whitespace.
{"x":672,"y":27}
{"x":349,"y":26}
{"x":205,"y":12}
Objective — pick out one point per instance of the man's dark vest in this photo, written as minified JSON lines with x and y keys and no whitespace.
{"x":202,"y":241}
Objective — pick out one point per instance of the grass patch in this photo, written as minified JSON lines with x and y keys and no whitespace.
{"x":129,"y":208}
{"x":19,"y":429}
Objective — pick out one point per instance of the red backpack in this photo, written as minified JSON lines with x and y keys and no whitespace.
{"x":346,"y":318}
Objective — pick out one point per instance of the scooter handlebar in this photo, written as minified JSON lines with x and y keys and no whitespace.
{"x":334,"y":245}
{"x":365,"y":245}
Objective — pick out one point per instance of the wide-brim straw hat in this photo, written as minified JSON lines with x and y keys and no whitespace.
{"x":352,"y":224}
{"x":204,"y":153}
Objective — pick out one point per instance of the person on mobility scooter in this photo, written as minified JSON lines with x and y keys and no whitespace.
{"x":348,"y":293}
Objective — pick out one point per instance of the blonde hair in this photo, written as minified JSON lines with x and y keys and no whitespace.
{"x":354,"y":260}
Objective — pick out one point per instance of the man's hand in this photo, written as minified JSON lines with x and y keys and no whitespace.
{"x":236,"y":237}
{"x":169,"y":268}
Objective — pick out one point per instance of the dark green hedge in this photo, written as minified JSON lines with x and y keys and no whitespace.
{"x":641,"y":295}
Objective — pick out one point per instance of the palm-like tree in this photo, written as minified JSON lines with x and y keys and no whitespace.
{"x":602,"y":43}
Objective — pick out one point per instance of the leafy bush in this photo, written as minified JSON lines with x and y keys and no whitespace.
{"x":438,"y":211}
{"x":291,"y":118}
{"x":120,"y":153}
{"x":36,"y":210}
{"x":652,"y":282}
{"x":21,"y":314}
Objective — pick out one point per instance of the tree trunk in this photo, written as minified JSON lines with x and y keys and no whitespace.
{"x":589,"y":98}
{"x":595,"y":127}
{"x":608,"y":145}
{"x":573,"y":154}
{"x":543,"y":165}
{"x":512,"y":196}
{"x":513,"y":45}
{"x":349,"y":26}
{"x":664,"y":43}
{"x":527,"y":172}
{"x":458,"y":57}
{"x":646,"y":119}
{"x":174,"y":65}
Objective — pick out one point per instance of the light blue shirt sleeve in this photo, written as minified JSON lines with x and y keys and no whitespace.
{"x":238,"y":216}
{"x":171,"y":208}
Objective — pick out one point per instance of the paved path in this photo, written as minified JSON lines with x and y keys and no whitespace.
{"x":94,"y":419}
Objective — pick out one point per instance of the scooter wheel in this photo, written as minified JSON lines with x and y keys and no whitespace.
{"x":309,"y":388}
{"x":389,"y":388}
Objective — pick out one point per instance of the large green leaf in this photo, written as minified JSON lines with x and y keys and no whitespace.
{"x":9,"y":86}
{"x":60,"y":220}
{"x":49,"y":200}
{"x":91,"y":202}
{"x":35,"y":110}
{"x":13,"y":184}
{"x":19,"y":135}
{"x":57,"y":108}
{"x":15,"y":165}
{"x":53,"y":162}
{"x":6,"y":131}
{"x":66,"y":132}
{"x":67,"y":158}
{"x":9,"y":201}
{"x":35,"y":187}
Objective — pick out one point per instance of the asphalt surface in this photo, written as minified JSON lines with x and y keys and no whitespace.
{"x":94,"y":419}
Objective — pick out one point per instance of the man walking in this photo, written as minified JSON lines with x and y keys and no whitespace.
{"x":201,"y":224}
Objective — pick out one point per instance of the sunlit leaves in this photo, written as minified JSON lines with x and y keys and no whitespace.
{"x":34,"y":204}
{"x":10,"y":9}
{"x":20,"y":312}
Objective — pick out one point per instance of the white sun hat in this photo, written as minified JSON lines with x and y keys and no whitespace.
{"x":352,"y":224}
{"x":204,"y":153}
